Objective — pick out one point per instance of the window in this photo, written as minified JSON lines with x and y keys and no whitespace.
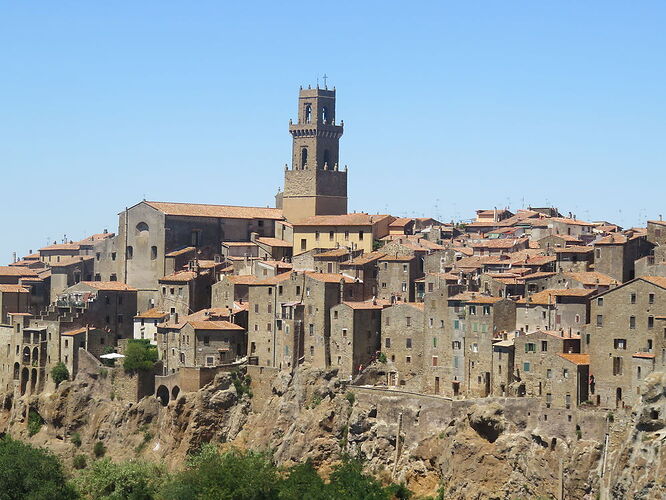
{"x":404,"y":286}
{"x":344,"y":332}
{"x":387,"y":342}
{"x":113,"y":255}
{"x":620,"y":343}
{"x":544,"y":345}
{"x":206,"y":340}
{"x":530,"y":347}
{"x":408,"y":319}
{"x":316,"y":235}
{"x":280,"y":290}
{"x":472,"y":310}
{"x":577,"y":318}
{"x":346,"y":235}
{"x":600,"y":301}
{"x":632,"y":322}
{"x":307,"y":291}
{"x":526,"y":366}
{"x":600,"y":320}
{"x":129,"y":253}
{"x":456,"y":324}
{"x":434,"y":361}
{"x":388,"y":322}
{"x":597,"y":253}
{"x":404,"y":268}
{"x":311,"y":329}
{"x":431,"y":287}
{"x":408,"y":343}
{"x":434,"y":341}
{"x":335,"y":314}
{"x":408,"y":359}
{"x":256,"y":308}
{"x":486,"y":310}
{"x":632,"y":298}
{"x":475,"y":347}
{"x":304,"y":244}
{"x":120,"y":318}
{"x":565,"y":373}
{"x":304,"y":157}
{"x":617,"y":366}
{"x":650,"y":323}
{"x":298,"y":291}
{"x":153,"y":252}
{"x":456,"y":344}
{"x":331,"y":236}
{"x":269,"y":308}
{"x":549,"y":373}
{"x":360,"y":236}
{"x":383,"y":285}
{"x":210,"y":360}
{"x":651,"y":298}
{"x":308,"y":113}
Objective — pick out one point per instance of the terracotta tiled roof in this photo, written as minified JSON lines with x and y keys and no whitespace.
{"x":274,"y":242}
{"x":571,"y":222}
{"x":591,"y":278}
{"x":469,"y":296}
{"x":13,"y":289}
{"x":17,"y":271}
{"x":238,"y":243}
{"x":658,"y":222}
{"x":612,"y":239}
{"x":358,"y":219}
{"x":401,"y":222}
{"x":329,"y":277}
{"x":367,"y":304}
{"x":61,"y":246}
{"x":397,"y":258}
{"x":336,"y":252}
{"x":109,"y":286}
{"x":574,"y":249}
{"x":96,"y":237}
{"x":152,"y":314}
{"x":498,"y":243}
{"x":216,"y":211}
{"x":365,"y":259}
{"x":70,"y":261}
{"x":576,"y":359}
{"x":215,"y":325}
{"x":179,"y":277}
{"x":546,"y":297}
{"x":180,"y":251}
{"x":644,"y":355}
{"x":274,"y":280}
{"x":74,"y":332}
{"x":660,"y":281}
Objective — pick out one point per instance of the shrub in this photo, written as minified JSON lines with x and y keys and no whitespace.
{"x":99,"y":449}
{"x":27,"y":472}
{"x":351,"y":397}
{"x":35,"y":422}
{"x":79,"y":462}
{"x":103,"y":372}
{"x":139,"y":356}
{"x":76,"y":439}
{"x":59,"y":373}
{"x":133,"y":480}
{"x":382,"y":357}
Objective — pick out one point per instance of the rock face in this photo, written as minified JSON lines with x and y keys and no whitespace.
{"x":470,"y":449}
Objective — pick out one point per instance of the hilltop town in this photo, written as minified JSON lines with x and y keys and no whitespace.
{"x":524,"y":305}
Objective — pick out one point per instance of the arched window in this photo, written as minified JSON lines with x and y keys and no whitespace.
{"x":308,"y":113}
{"x":129,"y":253}
{"x":142,"y":229}
{"x":153,"y":252}
{"x":327,"y":159}
{"x":304,"y":157}
{"x":324,"y":114}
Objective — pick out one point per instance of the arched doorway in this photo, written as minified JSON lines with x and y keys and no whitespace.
{"x":25,"y":375}
{"x":174,"y":392}
{"x":33,"y":381}
{"x":163,"y":395}
{"x":35,"y":355}
{"x":17,"y":369}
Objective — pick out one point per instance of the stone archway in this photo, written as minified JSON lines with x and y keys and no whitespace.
{"x":163,"y":394}
{"x":33,"y":381}
{"x":174,"y":392}
{"x":25,"y":377}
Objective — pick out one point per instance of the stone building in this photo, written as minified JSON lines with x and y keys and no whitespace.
{"x":616,"y":254}
{"x":355,"y":335}
{"x":315,"y":184}
{"x":232,"y":289}
{"x":549,"y":365}
{"x":396,"y":276}
{"x":554,"y":309}
{"x":185,"y":292}
{"x":625,"y":329}
{"x":145,"y":324}
{"x":13,"y":299}
{"x":364,"y":269}
{"x":403,"y":342}
{"x":93,"y":340}
{"x":574,"y":258}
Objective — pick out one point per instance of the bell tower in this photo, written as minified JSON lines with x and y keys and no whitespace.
{"x":315,"y":185}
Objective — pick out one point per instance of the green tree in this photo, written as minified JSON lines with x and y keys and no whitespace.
{"x":99,"y":449}
{"x":29,"y":473}
{"x":233,"y":475}
{"x":105,"y":480}
{"x":303,"y":482}
{"x":139,"y":355}
{"x":348,"y":481}
{"x":59,"y":373}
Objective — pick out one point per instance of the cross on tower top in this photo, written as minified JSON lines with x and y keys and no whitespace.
{"x":325,"y":77}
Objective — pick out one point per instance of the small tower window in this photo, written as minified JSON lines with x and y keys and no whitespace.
{"x":327,"y":155}
{"x":308,"y":113}
{"x":324,"y":115}
{"x":304,"y":157}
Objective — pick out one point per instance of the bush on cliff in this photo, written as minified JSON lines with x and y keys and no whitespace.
{"x":59,"y":373}
{"x":139,"y":356}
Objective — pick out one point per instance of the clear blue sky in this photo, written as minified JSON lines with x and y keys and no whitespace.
{"x":448,"y":106}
